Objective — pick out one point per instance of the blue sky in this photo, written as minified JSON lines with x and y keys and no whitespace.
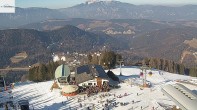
{"x":68,"y":3}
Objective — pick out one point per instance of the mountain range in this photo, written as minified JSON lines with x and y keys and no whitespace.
{"x":156,"y":31}
{"x":99,"y":10}
{"x":112,"y":27}
{"x":177,"y":44}
{"x":40,"y":44}
{"x":173,"y":40}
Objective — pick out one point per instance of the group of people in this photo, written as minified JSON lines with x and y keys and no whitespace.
{"x":92,"y":90}
{"x":105,"y":87}
{"x":95,"y":89}
{"x":120,"y":96}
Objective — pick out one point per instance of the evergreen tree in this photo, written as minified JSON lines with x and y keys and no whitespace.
{"x":193,"y":72}
{"x":159,"y":64}
{"x":182,"y":69}
{"x":170,"y":66}
{"x":166,"y":65}
{"x":43,"y":71}
{"x":39,"y":74}
{"x":89,"y":58}
{"x":109,"y":59}
{"x":146,"y":61}
{"x":152,"y":63}
{"x":31,"y":74}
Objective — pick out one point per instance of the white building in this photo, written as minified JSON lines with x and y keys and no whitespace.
{"x":93,"y":82}
{"x":58,"y":57}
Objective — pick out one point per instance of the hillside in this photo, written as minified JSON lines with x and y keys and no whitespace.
{"x":146,"y":38}
{"x":15,"y":41}
{"x":39,"y":44}
{"x":40,"y":96}
{"x":53,"y":24}
{"x":112,"y":27}
{"x":166,"y":43}
{"x":161,"y":41}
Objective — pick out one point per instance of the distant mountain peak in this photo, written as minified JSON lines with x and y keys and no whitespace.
{"x":96,"y":1}
{"x":91,"y":1}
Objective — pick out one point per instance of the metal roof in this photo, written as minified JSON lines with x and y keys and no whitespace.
{"x":100,"y":72}
{"x":23,"y":102}
{"x":182,"y":96}
{"x":83,"y":69}
{"x":88,"y":72}
{"x":95,"y":70}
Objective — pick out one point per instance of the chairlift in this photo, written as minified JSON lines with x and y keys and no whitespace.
{"x":150,"y":73}
{"x":141,"y":73}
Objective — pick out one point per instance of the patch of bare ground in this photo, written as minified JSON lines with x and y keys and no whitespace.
{"x":191,"y":43}
{"x":19,"y":57}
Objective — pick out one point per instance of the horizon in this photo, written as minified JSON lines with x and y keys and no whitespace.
{"x":66,"y":4}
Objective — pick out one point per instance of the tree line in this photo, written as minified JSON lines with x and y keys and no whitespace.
{"x":107,"y":59}
{"x":43,"y":72}
{"x":170,"y":66}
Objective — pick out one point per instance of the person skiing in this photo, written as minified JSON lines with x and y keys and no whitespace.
{"x":133,"y":101}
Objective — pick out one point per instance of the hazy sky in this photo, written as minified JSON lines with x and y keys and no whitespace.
{"x":69,"y":3}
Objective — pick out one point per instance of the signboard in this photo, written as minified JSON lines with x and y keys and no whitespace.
{"x":7,"y":6}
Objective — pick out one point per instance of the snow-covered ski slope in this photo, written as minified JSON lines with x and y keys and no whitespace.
{"x":41,"y":97}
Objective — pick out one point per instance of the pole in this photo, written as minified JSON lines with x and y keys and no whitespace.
{"x":144,"y":68}
{"x":120,"y":69}
{"x":99,"y":58}
{"x":145,"y":78}
{"x":109,"y":66}
{"x":120,"y":61}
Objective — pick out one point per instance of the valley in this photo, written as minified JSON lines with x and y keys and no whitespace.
{"x":99,"y":55}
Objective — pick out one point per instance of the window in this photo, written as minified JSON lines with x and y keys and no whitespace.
{"x":89,"y":84}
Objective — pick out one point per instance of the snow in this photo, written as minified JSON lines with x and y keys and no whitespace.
{"x":41,"y":97}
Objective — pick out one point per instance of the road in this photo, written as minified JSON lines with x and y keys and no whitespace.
{"x":16,"y":69}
